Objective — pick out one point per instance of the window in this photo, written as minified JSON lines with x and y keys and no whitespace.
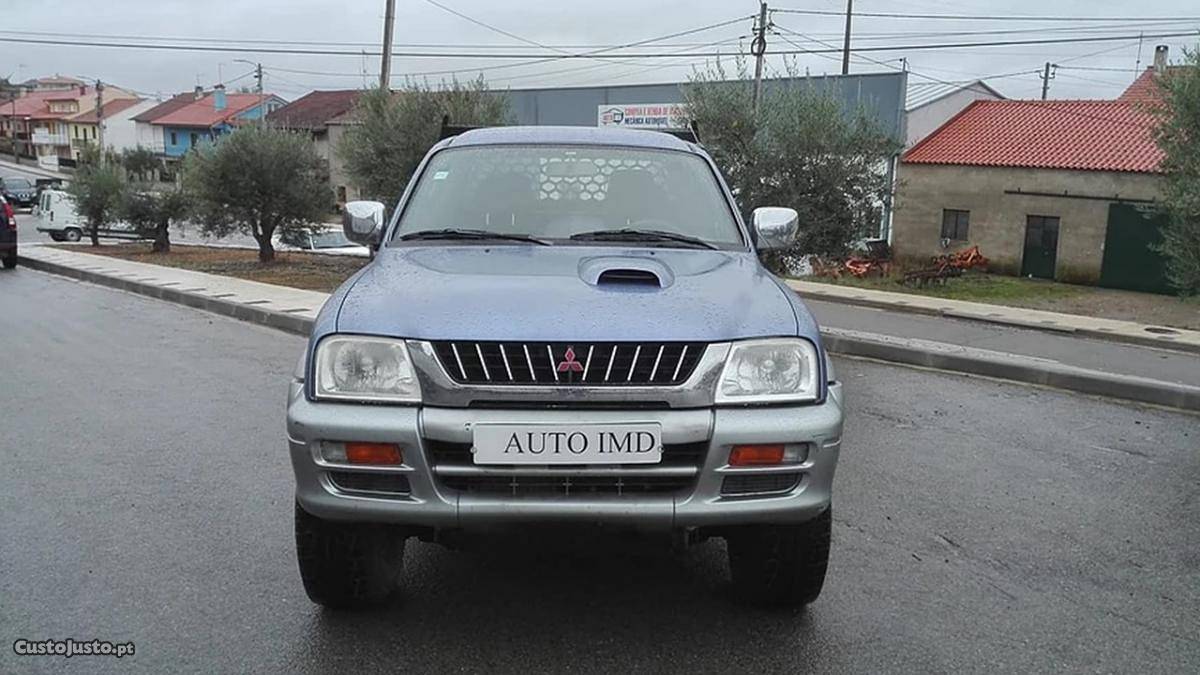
{"x":195,"y":140}
{"x":955,"y":224}
{"x":174,"y":140}
{"x":556,"y":192}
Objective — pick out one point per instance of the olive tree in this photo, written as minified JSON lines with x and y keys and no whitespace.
{"x":1179,"y":138}
{"x":802,"y":150}
{"x":258,"y":181}
{"x":393,"y":130}
{"x":150,"y":210}
{"x":98,"y":189}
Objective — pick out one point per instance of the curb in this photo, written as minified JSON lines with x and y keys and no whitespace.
{"x":286,"y":322}
{"x":1141,"y":341}
{"x":923,"y":353}
{"x":1010,"y":367}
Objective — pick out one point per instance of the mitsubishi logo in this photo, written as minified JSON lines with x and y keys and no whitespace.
{"x":569,"y":364}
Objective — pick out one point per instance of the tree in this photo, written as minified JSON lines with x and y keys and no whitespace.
{"x":1179,"y":137}
{"x":151,"y":211}
{"x":258,"y":181}
{"x":98,"y":189}
{"x":394,"y":130}
{"x":802,"y":150}
{"x":141,"y":163}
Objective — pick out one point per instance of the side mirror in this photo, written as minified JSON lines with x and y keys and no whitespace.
{"x":775,"y":227}
{"x":363,"y":221}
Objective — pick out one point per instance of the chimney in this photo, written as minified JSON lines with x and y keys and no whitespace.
{"x":1160,"y":58}
{"x":198,"y":93}
{"x":219,"y":97}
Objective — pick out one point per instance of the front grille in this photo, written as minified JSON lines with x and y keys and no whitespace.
{"x":759,"y":484}
{"x":519,"y":482}
{"x":373,"y":483}
{"x":569,"y":363}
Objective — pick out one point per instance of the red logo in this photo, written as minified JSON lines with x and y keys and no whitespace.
{"x":569,"y":364}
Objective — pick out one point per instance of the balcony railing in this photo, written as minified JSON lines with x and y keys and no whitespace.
{"x":44,"y":137}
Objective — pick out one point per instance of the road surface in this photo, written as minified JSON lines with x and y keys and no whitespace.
{"x":979,"y":526}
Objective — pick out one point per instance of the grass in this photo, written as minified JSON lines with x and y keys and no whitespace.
{"x":975,"y":287}
{"x":309,"y":271}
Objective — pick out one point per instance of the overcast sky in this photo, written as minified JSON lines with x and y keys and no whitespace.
{"x":568,"y":22}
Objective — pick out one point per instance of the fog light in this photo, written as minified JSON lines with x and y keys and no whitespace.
{"x":766,"y":454}
{"x":361,"y":453}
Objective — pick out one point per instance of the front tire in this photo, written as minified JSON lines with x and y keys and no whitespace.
{"x":347,"y":565}
{"x":73,"y":234}
{"x":781,"y":565}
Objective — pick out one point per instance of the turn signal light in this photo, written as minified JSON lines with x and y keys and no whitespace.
{"x":756,"y":455}
{"x":373,"y":453}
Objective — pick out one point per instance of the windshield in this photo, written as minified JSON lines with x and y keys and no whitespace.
{"x":556,"y":192}
{"x":17,"y":183}
{"x":330,"y":239}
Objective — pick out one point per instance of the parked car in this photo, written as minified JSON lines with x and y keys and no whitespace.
{"x":18,"y":191}
{"x":331,"y":240}
{"x":57,"y":216}
{"x":8,"y":235}
{"x":564,"y":325}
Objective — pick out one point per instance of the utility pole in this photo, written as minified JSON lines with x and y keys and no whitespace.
{"x":385,"y":66}
{"x":759,"y":49}
{"x":12,"y":126}
{"x":262,"y":103}
{"x":100,"y":118}
{"x":1046,"y":77}
{"x":846,"y":43}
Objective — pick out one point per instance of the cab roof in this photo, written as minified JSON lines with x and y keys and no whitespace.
{"x":563,"y":135}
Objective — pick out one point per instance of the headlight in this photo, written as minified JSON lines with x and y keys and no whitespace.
{"x":769,"y":371}
{"x":359,"y":368}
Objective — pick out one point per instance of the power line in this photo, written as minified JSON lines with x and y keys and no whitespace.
{"x":992,"y":17}
{"x":599,"y":54}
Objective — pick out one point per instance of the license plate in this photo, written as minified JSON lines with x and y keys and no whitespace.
{"x":634,"y":443}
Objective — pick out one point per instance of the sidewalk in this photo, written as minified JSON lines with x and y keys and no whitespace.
{"x":1103,"y":329}
{"x":1123,"y":371}
{"x":30,"y":167}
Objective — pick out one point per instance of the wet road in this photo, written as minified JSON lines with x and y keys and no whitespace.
{"x":979,"y":526}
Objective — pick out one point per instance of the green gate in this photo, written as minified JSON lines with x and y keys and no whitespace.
{"x":1130,"y":261}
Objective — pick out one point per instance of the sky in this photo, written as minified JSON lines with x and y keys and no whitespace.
{"x":1087,"y":70}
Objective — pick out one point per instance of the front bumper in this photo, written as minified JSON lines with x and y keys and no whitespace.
{"x":431,"y":502}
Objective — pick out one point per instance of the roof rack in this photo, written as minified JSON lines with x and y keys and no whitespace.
{"x":449,"y":130}
{"x":691,"y":134}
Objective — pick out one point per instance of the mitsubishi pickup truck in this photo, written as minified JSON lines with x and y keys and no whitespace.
{"x":564,"y":325}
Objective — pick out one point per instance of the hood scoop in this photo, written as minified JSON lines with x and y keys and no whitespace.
{"x":626,"y":273}
{"x":629,"y":277}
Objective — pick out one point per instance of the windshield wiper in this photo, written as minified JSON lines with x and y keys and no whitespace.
{"x":629,"y":234}
{"x":459,"y":233}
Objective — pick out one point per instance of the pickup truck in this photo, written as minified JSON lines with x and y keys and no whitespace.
{"x":564,"y":325}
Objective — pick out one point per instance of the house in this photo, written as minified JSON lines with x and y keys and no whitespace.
{"x":147,"y":135}
{"x":51,"y":115}
{"x":185,"y":126}
{"x":324,"y":115}
{"x":83,"y":129}
{"x":1062,"y":190}
{"x":120,"y":131}
{"x":928,"y":105}
{"x":51,"y":83}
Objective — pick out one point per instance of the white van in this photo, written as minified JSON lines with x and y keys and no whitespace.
{"x":57,"y":216}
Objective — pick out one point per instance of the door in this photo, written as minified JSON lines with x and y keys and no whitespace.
{"x":1131,"y":260}
{"x":1041,"y":247}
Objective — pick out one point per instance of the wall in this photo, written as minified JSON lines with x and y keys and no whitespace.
{"x":337,"y":169}
{"x":183,"y":139}
{"x":120,"y":131}
{"x":880,"y":94}
{"x":997,"y":221}
{"x":922,"y":121}
{"x":149,"y":136}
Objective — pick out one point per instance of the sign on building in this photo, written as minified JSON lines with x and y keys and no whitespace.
{"x":643,"y":116}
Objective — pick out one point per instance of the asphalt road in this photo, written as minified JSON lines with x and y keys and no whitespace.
{"x":979,"y":526}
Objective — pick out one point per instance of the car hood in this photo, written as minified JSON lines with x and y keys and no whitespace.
{"x":564,"y":293}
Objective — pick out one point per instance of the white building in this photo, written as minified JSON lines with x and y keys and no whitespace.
{"x":120,"y":131}
{"x":929,"y":105}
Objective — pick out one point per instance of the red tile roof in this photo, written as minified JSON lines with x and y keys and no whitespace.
{"x":28,"y":104}
{"x":1082,"y":135}
{"x":202,"y":113}
{"x":314,"y":110}
{"x":168,"y":106}
{"x":110,"y":108}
